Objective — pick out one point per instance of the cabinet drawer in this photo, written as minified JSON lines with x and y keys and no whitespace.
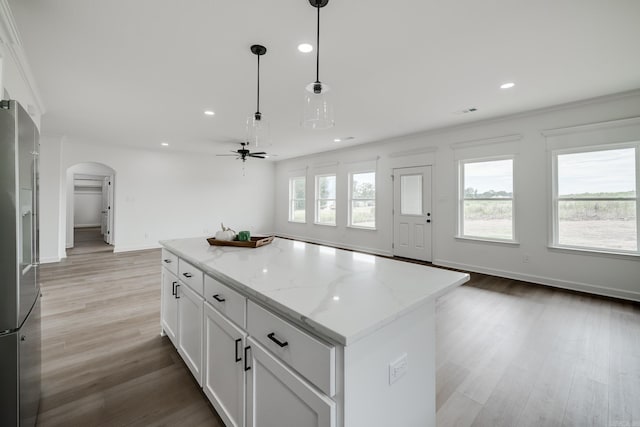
{"x":190,"y":275}
{"x":170,"y":261}
{"x":225,"y":300}
{"x":312,"y":358}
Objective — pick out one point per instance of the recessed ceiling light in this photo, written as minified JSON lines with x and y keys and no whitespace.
{"x":336,"y":298}
{"x":344,"y":138}
{"x":507,"y":85}
{"x":164,"y":144}
{"x":209,"y":113}
{"x":305,"y":47}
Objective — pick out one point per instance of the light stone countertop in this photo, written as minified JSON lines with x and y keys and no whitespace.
{"x":341,"y":295}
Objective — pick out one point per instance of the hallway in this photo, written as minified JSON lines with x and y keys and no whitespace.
{"x":88,"y":240}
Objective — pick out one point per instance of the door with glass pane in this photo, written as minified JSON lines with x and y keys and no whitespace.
{"x":412,"y":218}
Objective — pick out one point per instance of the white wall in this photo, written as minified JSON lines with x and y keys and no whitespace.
{"x":167,"y":194}
{"x":609,"y":275}
{"x":51,"y":192}
{"x":87,"y":207}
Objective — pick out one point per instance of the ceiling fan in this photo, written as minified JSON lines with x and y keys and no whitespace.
{"x":244,"y":152}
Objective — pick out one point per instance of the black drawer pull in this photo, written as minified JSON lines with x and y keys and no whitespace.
{"x":187,"y":275}
{"x":246,"y":358}
{"x":272,"y":337}
{"x":238,"y":358}
{"x":173,"y":285}
{"x":218,"y":298}
{"x":177,"y":286}
{"x":168,"y":261}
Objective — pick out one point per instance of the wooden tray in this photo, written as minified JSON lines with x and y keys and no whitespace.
{"x":255,"y":242}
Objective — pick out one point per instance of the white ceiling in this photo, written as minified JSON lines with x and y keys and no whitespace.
{"x":140,"y":72}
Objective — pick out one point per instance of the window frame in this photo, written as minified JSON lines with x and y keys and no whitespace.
{"x":554,"y":235}
{"x":318,"y":199}
{"x":292,"y":200}
{"x":351,"y":199}
{"x":460,"y":234}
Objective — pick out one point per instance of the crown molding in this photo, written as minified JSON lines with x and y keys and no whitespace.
{"x":631,"y":121}
{"x":10,"y":39}
{"x":486,"y":141}
{"x":415,"y":152}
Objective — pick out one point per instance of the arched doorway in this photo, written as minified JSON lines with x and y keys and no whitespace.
{"x":90,"y":208}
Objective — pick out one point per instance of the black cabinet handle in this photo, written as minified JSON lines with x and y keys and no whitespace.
{"x":187,"y":275}
{"x":173,"y":285}
{"x":238,"y":358}
{"x":272,"y":337}
{"x":177,"y":286}
{"x":218,"y":298}
{"x":246,"y":358}
{"x":168,"y":261}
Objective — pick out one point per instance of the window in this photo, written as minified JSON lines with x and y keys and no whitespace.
{"x":595,"y":199}
{"x":362,"y":195}
{"x":326,"y":199}
{"x":297,"y":199}
{"x":486,"y":199}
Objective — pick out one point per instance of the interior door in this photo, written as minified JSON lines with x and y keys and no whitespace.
{"x":109,"y":220}
{"x":104,"y":216}
{"x":412,"y":218}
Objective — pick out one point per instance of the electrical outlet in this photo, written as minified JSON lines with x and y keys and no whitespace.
{"x":398,"y":368}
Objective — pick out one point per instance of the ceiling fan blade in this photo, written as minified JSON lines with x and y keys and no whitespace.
{"x":261,"y":153}
{"x":256,"y":156}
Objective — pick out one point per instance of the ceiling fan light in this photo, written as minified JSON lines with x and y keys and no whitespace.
{"x":317,"y":112}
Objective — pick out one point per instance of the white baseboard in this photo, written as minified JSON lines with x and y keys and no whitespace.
{"x":49,"y":260}
{"x":117,"y":248}
{"x":86,"y":225}
{"x":337,"y":245}
{"x":541,"y":280}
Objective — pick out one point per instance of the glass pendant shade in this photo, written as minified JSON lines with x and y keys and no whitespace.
{"x":318,"y":108}
{"x":257,"y":131}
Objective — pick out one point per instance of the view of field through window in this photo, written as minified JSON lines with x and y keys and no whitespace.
{"x":297,"y":199}
{"x":363,"y":199}
{"x":487,"y":204}
{"x":596,"y":206}
{"x":326,"y":199}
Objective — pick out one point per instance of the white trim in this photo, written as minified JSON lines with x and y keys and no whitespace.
{"x":542,"y":280}
{"x":320,"y":165}
{"x":363,"y":249}
{"x":631,"y":121}
{"x":49,"y":260}
{"x":9,"y":35}
{"x":488,"y":240}
{"x":409,"y":153}
{"x":576,"y":250}
{"x":485,"y":141}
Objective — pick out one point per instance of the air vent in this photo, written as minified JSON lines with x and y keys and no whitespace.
{"x":466,"y":110}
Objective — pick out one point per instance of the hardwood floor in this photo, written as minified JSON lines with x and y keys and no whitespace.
{"x":509,"y":353}
{"x":88,"y":240}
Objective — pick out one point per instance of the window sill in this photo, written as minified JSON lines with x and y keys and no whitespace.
{"x":325,"y":224}
{"x":297,"y":222}
{"x":594,"y":252}
{"x":362,"y":228}
{"x":491,"y":241}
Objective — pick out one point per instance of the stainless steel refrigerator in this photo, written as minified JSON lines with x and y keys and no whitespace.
{"x":20,"y":365}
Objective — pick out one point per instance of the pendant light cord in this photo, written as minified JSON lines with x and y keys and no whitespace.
{"x":318,"y":45}
{"x":258,"y":103}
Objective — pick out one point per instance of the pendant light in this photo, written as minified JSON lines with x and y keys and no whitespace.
{"x":318,"y":110}
{"x":257,"y":125}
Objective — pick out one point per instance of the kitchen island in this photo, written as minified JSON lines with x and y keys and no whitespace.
{"x":300,"y":334}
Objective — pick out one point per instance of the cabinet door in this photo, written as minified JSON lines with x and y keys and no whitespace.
{"x":276,"y":396}
{"x":169,"y":306}
{"x":190,"y":307}
{"x":224,"y":382}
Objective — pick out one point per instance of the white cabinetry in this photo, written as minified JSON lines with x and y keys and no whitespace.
{"x":190,"y":309}
{"x":277,"y":396}
{"x":169,"y":313}
{"x":224,"y":375}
